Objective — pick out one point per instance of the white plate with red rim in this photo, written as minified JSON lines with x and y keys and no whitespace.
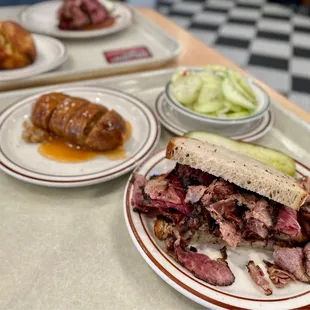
{"x":23,"y":161}
{"x":242,"y":294}
{"x":179,"y":124}
{"x":51,"y":53}
{"x":45,"y":15}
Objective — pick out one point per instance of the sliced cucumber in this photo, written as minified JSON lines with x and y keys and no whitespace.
{"x":209,"y":99}
{"x":211,"y":79}
{"x":208,"y":106}
{"x":233,"y":107}
{"x":243,"y":83}
{"x":234,"y":96}
{"x":241,"y":114}
{"x":266,"y":155}
{"x":219,"y":71}
{"x":224,"y":110}
{"x":222,"y":113}
{"x":208,"y":93}
{"x":203,"y":91}
{"x":211,"y":114}
{"x":239,"y":89}
{"x":186,"y":89}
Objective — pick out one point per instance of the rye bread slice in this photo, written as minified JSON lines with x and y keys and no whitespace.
{"x":238,"y":169}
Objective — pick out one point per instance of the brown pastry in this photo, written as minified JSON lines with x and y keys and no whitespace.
{"x":17,"y":48}
{"x":79,"y":121}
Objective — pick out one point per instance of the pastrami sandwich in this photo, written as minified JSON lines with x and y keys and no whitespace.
{"x":219,"y":196}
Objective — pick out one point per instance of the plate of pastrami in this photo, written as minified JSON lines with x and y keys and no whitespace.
{"x":75,"y":136}
{"x":77,"y":19}
{"x":224,"y":229}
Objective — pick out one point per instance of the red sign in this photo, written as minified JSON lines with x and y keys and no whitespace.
{"x":128,"y":54}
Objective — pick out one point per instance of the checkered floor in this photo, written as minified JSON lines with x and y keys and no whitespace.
{"x":269,"y":40}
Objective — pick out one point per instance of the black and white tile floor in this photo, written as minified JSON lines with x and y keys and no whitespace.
{"x":269,"y":40}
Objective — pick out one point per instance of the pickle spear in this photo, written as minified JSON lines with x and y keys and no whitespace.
{"x":263,"y":154}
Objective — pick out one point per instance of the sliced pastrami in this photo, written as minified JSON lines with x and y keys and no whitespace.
{"x":215,"y":272}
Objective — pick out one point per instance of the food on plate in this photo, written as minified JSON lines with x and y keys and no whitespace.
{"x":268,"y":156}
{"x":223,"y":252}
{"x":278,"y":276}
{"x":216,"y":195}
{"x":215,"y":272}
{"x":258,"y":276}
{"x":215,"y":92}
{"x":82,"y":125}
{"x":79,"y":121}
{"x":294,"y":260}
{"x":290,"y":264}
{"x":33,"y":134}
{"x":17,"y":48}
{"x":84,"y":15}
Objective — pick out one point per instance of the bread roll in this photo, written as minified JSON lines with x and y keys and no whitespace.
{"x":17,"y":48}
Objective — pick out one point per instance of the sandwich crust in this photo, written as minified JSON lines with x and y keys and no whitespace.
{"x":238,"y":169}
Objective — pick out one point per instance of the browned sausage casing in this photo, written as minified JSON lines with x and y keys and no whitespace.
{"x":83,"y":121}
{"x":44,"y":108}
{"x":107,"y":133}
{"x":79,"y":121}
{"x":63,"y":113}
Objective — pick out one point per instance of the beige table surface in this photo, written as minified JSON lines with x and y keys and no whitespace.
{"x":70,"y":249}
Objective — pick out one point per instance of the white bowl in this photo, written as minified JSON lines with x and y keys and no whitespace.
{"x":263,"y":106}
{"x":179,"y":124}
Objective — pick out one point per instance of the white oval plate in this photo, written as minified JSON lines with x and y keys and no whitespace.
{"x":242,"y":294}
{"x":51,"y":53}
{"x":179,"y":124}
{"x":45,"y":15}
{"x":23,"y":161}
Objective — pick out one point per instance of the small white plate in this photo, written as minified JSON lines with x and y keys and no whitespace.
{"x":179,"y":124}
{"x":23,"y":161}
{"x":242,"y":294}
{"x":45,"y":15}
{"x":51,"y":53}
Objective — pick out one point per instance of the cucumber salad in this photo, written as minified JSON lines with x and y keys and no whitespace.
{"x":215,"y":92}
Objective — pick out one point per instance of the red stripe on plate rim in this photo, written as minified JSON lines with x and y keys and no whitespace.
{"x":165,"y":271}
{"x":156,"y":138}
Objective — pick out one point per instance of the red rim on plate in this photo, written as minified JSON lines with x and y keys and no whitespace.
{"x":20,"y":170}
{"x":170,"y":270}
